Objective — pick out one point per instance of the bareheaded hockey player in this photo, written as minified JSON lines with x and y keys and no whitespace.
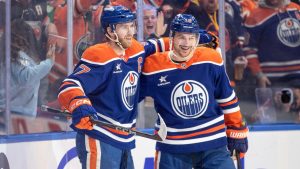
{"x":192,"y":93}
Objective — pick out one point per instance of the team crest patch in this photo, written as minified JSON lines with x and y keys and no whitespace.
{"x":288,"y":32}
{"x":189,"y":99}
{"x":129,"y":89}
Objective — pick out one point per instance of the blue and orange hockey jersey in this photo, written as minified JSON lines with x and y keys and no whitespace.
{"x":110,"y":84}
{"x":192,"y":98}
{"x":274,"y":43}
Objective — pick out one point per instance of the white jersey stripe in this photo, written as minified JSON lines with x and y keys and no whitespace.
{"x":98,"y":63}
{"x":228,"y":111}
{"x":228,"y":99}
{"x":203,"y":62}
{"x":154,"y":43}
{"x":196,"y":140}
{"x":158,"y":159}
{"x":69,"y":88}
{"x":128,"y":125}
{"x":162,"y":43}
{"x":87,"y":147}
{"x":251,"y":56}
{"x":287,"y":63}
{"x":164,"y":70}
{"x":138,"y":54}
{"x":98,"y":166}
{"x":111,"y":60}
{"x":214,"y":121}
{"x":169,"y":69}
{"x":75,"y":81}
{"x":109,"y":134}
{"x":281,"y":74}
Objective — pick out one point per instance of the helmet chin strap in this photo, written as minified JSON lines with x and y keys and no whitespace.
{"x":115,"y":40}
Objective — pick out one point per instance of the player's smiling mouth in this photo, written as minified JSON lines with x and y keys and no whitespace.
{"x":185,"y":48}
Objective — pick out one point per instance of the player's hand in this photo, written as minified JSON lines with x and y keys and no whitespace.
{"x":237,"y":139}
{"x":81,"y":117}
{"x":208,"y":39}
{"x":85,"y":123}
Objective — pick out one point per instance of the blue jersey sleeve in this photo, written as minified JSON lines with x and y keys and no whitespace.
{"x":156,"y":45}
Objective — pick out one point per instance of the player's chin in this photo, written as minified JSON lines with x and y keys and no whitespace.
{"x":185,"y":53}
{"x":126,"y":44}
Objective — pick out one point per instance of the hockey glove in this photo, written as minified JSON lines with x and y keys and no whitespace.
{"x":81,"y":117}
{"x":208,"y":39}
{"x":237,"y":139}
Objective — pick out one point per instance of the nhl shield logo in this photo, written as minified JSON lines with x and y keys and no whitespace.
{"x":129,"y":89}
{"x":189,"y":99}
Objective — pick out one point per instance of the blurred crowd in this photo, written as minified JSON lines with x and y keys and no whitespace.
{"x":262,"y":46}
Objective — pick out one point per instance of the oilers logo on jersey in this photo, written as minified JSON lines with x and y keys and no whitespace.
{"x":288,"y":32}
{"x":128,"y":89}
{"x":189,"y":99}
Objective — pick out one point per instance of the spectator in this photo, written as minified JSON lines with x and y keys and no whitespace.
{"x":34,"y":12}
{"x":150,"y":21}
{"x":172,"y":7}
{"x":209,"y":21}
{"x":274,"y":45}
{"x":154,"y":25}
{"x":233,"y":8}
{"x":80,"y":34}
{"x":247,"y":7}
{"x":169,"y":13}
{"x":26,"y":69}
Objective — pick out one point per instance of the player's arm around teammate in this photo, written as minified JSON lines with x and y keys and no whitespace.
{"x":191,"y":91}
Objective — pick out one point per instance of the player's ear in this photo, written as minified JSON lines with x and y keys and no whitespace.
{"x":109,"y":31}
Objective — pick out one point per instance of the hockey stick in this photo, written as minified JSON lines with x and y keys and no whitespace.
{"x":159,"y":136}
{"x":238,"y":159}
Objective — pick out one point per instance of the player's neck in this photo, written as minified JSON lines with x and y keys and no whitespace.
{"x":116,"y":48}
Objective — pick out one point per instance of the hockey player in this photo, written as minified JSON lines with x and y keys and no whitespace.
{"x":191,"y":92}
{"x":105,"y":85}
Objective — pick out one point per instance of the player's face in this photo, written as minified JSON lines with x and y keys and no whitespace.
{"x":150,"y":20}
{"x":125,"y":32}
{"x":184,"y":43}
